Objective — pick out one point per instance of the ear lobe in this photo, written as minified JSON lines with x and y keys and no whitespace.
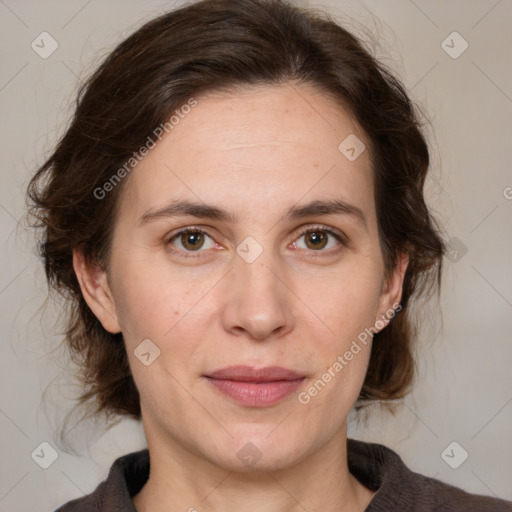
{"x":392,"y":291}
{"x":96,"y":291}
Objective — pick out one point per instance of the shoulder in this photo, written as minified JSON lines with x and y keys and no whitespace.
{"x":126,"y":477}
{"x":399,"y":488}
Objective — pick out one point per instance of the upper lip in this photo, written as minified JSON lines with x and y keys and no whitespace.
{"x":249,"y":374}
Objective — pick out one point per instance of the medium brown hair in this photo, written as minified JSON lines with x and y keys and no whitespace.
{"x":215,"y":45}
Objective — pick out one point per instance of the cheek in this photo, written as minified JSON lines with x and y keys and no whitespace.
{"x":350,"y":313}
{"x":347,"y":303}
{"x":144,"y":311}
{"x":347,"y":306}
{"x":155,"y":305}
{"x":149,"y":299}
{"x":149,"y":309}
{"x":342,"y":353}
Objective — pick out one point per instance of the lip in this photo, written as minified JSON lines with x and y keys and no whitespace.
{"x":255,"y":387}
{"x":249,"y":374}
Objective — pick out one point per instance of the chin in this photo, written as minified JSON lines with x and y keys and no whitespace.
{"x":254,"y":452}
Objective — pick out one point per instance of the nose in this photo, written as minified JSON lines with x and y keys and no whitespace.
{"x":257,"y":303}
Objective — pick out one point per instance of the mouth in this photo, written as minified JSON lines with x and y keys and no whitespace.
{"x":255,"y":387}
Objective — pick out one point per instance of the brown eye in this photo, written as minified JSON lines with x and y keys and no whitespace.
{"x":318,"y":238}
{"x":191,"y":240}
{"x":315,"y":239}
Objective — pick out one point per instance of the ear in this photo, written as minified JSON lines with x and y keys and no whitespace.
{"x":391,"y":292}
{"x":96,"y":291}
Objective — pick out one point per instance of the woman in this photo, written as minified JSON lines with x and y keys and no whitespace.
{"x":236,"y":214}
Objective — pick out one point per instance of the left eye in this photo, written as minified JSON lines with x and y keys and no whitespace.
{"x":318,"y":238}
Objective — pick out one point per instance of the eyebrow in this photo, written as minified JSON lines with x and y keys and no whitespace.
{"x":182,"y":208}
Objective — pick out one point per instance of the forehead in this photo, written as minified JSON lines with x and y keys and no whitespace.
{"x":255,"y":149}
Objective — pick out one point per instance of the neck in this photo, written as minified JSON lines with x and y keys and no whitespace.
{"x":182,"y":480}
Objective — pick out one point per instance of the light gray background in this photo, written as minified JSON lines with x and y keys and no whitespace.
{"x":464,"y":386}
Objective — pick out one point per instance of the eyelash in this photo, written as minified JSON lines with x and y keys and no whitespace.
{"x":192,"y":229}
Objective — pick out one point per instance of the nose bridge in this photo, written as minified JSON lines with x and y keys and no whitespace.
{"x":261,"y":256}
{"x":254,"y":269}
{"x":258,"y":301}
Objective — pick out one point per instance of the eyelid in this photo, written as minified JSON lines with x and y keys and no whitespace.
{"x":328,"y":229}
{"x":339,"y":235}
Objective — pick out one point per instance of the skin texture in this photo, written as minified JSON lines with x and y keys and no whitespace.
{"x":256,"y":153}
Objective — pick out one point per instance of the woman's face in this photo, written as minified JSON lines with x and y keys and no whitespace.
{"x":249,"y":289}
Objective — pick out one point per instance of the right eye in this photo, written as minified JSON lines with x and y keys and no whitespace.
{"x":191,"y":240}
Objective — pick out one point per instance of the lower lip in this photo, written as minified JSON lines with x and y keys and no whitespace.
{"x":255,"y":394}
